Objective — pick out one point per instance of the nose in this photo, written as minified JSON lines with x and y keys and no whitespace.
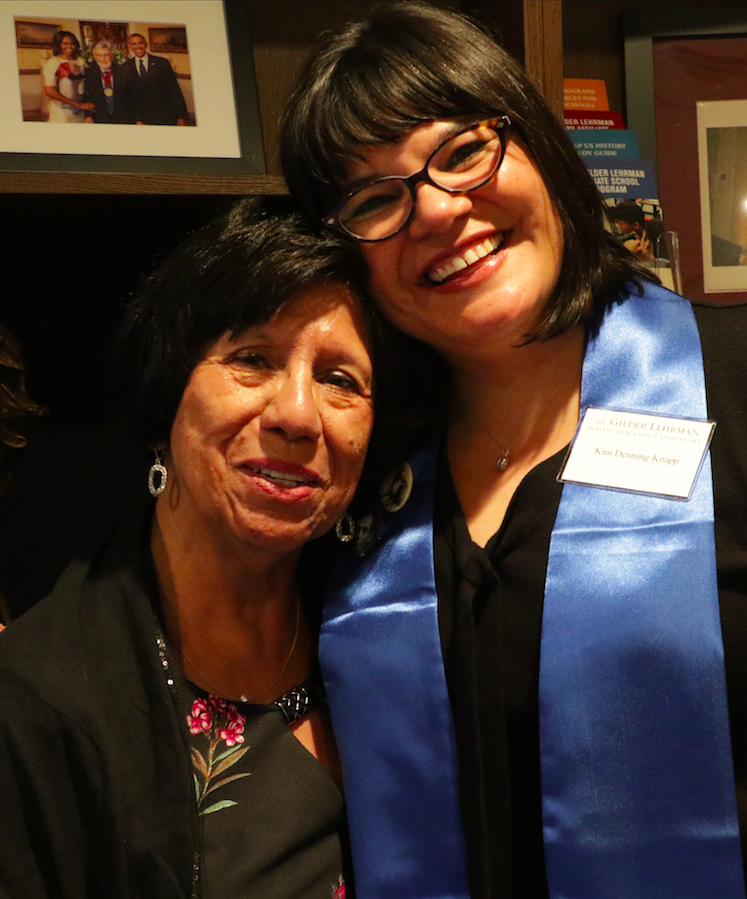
{"x":436,"y":210}
{"x":293,"y":409}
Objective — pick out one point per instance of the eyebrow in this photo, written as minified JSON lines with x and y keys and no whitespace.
{"x":452,"y":129}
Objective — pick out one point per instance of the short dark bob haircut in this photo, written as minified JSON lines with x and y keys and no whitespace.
{"x":407,"y":63}
{"x":57,"y":43}
{"x":235,"y":274}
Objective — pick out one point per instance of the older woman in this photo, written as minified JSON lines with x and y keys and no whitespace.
{"x":162,"y":728}
{"x":63,"y":80}
{"x":599,"y":727}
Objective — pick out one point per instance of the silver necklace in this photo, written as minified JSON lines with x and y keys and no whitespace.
{"x":502,"y":463}
{"x":242,"y":697}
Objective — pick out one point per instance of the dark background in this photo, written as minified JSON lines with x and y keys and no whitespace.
{"x":69,"y":263}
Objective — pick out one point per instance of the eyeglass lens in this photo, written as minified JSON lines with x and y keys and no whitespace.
{"x":462,"y":163}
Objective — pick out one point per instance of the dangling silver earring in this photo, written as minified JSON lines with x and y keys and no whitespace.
{"x":345,"y":528}
{"x":157,"y":476}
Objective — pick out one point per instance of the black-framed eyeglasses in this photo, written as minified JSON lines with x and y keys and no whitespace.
{"x":384,"y":207}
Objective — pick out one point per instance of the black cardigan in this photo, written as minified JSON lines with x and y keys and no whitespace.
{"x":96,"y":797}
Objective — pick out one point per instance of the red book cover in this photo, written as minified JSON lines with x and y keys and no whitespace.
{"x":590,"y":118}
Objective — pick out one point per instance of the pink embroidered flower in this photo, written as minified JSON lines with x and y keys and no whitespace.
{"x":233,"y":714}
{"x":199,"y":721}
{"x":232,"y":732}
{"x":219,"y":705}
{"x":339,"y":890}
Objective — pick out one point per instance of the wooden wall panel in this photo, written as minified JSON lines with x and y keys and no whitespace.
{"x":543,"y":48}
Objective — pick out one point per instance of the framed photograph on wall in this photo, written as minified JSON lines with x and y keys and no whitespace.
{"x":168,"y":40}
{"x":35,"y":35}
{"x":681,"y":66}
{"x":722,"y":152}
{"x":199,"y":58}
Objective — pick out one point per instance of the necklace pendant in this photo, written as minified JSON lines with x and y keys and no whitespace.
{"x":502,"y":463}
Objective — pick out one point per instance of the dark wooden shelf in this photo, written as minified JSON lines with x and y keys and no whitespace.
{"x":138,"y":183}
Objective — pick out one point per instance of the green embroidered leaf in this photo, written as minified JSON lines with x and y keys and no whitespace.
{"x":227,"y":762}
{"x":225,"y":781}
{"x":228,"y":752}
{"x":199,"y":762}
{"x":197,"y":788}
{"x":225,"y":803}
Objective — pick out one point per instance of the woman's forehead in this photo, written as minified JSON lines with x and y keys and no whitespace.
{"x":416,"y":145}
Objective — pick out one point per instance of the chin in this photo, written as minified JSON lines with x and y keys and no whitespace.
{"x":281,"y":537}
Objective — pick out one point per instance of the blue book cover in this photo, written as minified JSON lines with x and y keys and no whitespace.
{"x":632,"y":178}
{"x":601,"y":143}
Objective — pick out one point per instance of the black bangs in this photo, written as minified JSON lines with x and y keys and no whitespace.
{"x":372,"y":83}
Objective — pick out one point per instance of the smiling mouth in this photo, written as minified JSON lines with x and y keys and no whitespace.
{"x":462,"y":261}
{"x":283,"y":478}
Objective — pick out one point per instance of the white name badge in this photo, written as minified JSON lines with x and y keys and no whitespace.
{"x":637,"y":452}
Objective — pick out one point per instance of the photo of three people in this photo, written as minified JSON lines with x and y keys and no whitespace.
{"x":111,"y":77}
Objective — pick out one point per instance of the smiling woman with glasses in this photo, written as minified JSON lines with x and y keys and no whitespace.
{"x":547,"y":704}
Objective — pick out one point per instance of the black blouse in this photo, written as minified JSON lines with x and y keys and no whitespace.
{"x":271,"y":818}
{"x":491,"y":615}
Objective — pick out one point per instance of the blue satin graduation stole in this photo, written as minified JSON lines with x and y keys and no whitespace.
{"x":380,"y":653}
{"x":637,"y":775}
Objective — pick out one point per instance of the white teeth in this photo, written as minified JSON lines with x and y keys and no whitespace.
{"x":281,"y":477}
{"x":457,"y":263}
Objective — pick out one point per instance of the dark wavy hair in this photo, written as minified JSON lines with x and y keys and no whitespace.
{"x":407,"y":63}
{"x":236,"y":273}
{"x":57,"y":43}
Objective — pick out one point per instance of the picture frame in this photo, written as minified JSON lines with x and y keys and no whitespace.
{"x":227,"y":139}
{"x":168,"y":40}
{"x":35,"y":35}
{"x":91,"y":32}
{"x":675,"y":59}
{"x":722,"y":151}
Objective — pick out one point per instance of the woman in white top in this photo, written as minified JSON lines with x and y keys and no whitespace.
{"x":63,"y":76}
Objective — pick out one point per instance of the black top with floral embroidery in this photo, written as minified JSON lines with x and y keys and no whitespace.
{"x":272,"y":820}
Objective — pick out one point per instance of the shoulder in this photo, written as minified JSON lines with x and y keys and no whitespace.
{"x":722,"y":328}
{"x":45,"y":649}
{"x":123,"y":72}
{"x":717,"y":322}
{"x":49,"y":68}
{"x":96,"y":620}
{"x":159,"y":62}
{"x":723,"y":337}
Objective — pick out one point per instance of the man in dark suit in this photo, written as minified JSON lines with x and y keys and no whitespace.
{"x":157,"y":96}
{"x":107,"y":89}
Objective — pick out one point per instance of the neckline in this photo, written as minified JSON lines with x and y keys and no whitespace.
{"x":459,"y":518}
{"x":294,"y":704}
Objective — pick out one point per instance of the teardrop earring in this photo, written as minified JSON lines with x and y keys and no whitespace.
{"x":157,"y":476}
